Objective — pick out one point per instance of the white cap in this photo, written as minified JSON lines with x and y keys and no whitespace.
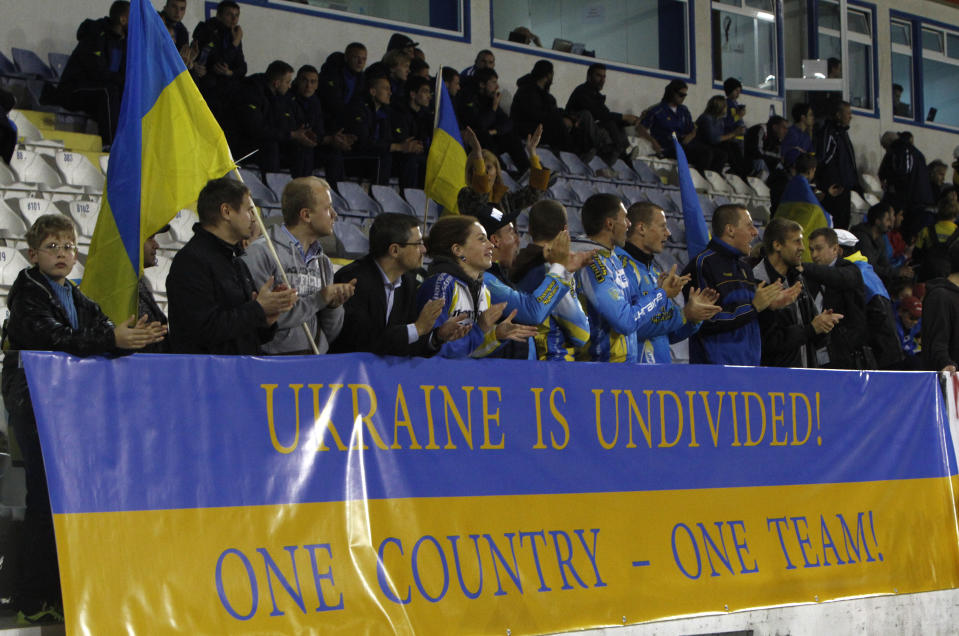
{"x":846,"y":238}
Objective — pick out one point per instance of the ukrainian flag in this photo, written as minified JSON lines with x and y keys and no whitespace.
{"x":446,"y":162}
{"x":167,"y":146}
{"x":697,"y":232}
{"x":799,"y":204}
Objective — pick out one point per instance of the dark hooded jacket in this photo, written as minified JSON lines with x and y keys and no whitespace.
{"x":940,"y":324}
{"x":341,"y":91}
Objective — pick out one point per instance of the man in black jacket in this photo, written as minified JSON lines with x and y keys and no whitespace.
{"x":213,"y":304}
{"x":871,"y":234}
{"x":342,"y":88}
{"x":534,"y":105}
{"x":835,"y":283}
{"x":219,"y":42}
{"x":589,"y":97}
{"x":264,"y":121}
{"x":308,"y":115}
{"x":940,"y":319}
{"x":93,"y":77}
{"x":412,"y":118}
{"x":837,"y":164}
{"x":904,"y":172}
{"x":795,"y":335}
{"x":477,"y":108}
{"x":381,"y":315}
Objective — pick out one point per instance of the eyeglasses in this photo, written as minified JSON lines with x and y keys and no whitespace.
{"x":54,"y":248}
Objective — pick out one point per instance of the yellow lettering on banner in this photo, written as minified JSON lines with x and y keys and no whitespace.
{"x":465,"y":428}
{"x":796,"y":441}
{"x":732,"y":400}
{"x":776,"y":415}
{"x":692,"y":420}
{"x":599,"y":421}
{"x":634,"y":410}
{"x":427,"y":389}
{"x":662,"y":419}
{"x":762,"y":408}
{"x":404,"y":423}
{"x":323,"y":419}
{"x":490,"y":417}
{"x":367,"y":418}
{"x":714,"y":426}
{"x":269,"y":388}
{"x":539,"y":418}
{"x":559,"y":417}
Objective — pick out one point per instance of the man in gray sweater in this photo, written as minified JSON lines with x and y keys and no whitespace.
{"x":308,"y":215}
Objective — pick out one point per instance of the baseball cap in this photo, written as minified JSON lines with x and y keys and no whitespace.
{"x":847,"y":238}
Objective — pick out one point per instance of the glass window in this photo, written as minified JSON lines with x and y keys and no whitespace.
{"x":952,"y":46}
{"x":765,"y":5}
{"x":901,"y":33}
{"x":859,"y":65}
{"x":932,"y":40}
{"x":651,"y":35}
{"x":939,"y":93}
{"x":438,"y":14}
{"x":744,"y":46}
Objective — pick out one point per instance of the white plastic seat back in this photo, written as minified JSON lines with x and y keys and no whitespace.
{"x":78,"y":170}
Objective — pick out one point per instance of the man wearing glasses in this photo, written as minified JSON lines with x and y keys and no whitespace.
{"x":381,"y":316}
{"x":671,"y":116}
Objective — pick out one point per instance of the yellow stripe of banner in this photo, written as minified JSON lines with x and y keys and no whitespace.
{"x":530,"y":564}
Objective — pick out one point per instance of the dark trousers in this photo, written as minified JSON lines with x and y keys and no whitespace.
{"x":510,"y":143}
{"x":376,"y":167}
{"x":700,"y":155}
{"x":38,"y":575}
{"x":839,"y":208}
{"x":101,"y":103}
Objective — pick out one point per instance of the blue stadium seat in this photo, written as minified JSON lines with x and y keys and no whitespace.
{"x":551,"y":161}
{"x":390,"y":200}
{"x":583,"y":189}
{"x":358,"y":202}
{"x":509,"y":181}
{"x":276,"y":181}
{"x":645,"y":173}
{"x":576,"y":167}
{"x":58,"y":62}
{"x":625,"y":174}
{"x":8,"y":68}
{"x":417,"y":198}
{"x":354,"y":241}
{"x":507,"y":163}
{"x":261,"y":194}
{"x":30,"y":63}
{"x":574,"y":222}
{"x":633,"y":194}
{"x":608,"y":187}
{"x":562,"y":192}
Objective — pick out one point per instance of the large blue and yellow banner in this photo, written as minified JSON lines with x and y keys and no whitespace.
{"x":358,"y":494}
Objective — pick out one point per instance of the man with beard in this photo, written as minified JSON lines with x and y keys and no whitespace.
{"x":795,"y":335}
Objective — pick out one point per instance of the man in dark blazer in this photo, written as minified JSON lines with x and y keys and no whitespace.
{"x":381,"y":316}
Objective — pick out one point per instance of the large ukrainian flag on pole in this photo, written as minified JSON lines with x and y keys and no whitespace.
{"x":446,"y":162}
{"x":167,"y":146}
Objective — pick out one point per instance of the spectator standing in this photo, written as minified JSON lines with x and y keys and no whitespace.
{"x":565,"y":331}
{"x":381,"y":316}
{"x":836,"y":284}
{"x":172,"y":14}
{"x":837,"y":164}
{"x":49,"y":313}
{"x":906,"y":178}
{"x":214,"y":306}
{"x":940,"y":328}
{"x":308,"y":216}
{"x":798,"y":139}
{"x":461,"y":253}
{"x":671,"y":323}
{"x":797,"y":334}
{"x":732,"y":336}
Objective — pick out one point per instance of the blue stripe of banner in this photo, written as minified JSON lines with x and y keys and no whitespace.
{"x":164,"y":432}
{"x":447,"y":116}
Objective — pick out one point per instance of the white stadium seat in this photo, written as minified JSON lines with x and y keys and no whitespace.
{"x":79,"y":171}
{"x":11,"y":262}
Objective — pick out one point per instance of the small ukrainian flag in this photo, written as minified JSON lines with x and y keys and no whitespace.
{"x":446,"y":162}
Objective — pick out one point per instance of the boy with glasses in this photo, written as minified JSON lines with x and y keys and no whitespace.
{"x":49,"y":313}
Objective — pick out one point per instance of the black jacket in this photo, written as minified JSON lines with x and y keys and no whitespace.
{"x":875,"y":252}
{"x":842,"y":291}
{"x":38,"y":322}
{"x":261,"y":117}
{"x":215,"y":43}
{"x":837,"y":159}
{"x":476,"y":111}
{"x":585,"y":97}
{"x":147,"y":304}
{"x":533,"y":106}
{"x":373,"y":129}
{"x":408,"y":123}
{"x":99,"y":58}
{"x":366,"y":326}
{"x":308,"y":111}
{"x":904,"y":170}
{"x":210,"y":294}
{"x":788,"y":331}
{"x":334,"y":91}
{"x":940,"y":324}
